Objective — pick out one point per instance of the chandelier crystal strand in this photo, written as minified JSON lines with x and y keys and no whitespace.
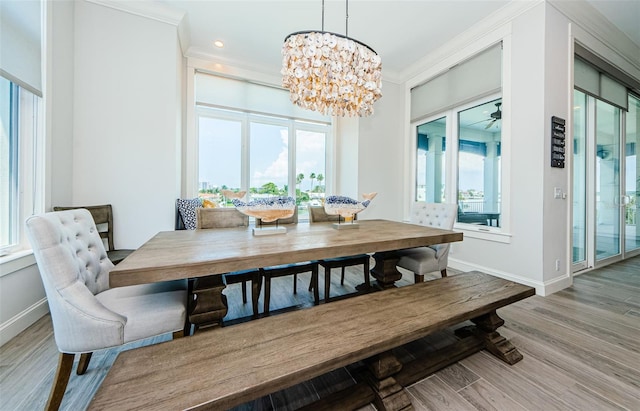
{"x":330,"y":73}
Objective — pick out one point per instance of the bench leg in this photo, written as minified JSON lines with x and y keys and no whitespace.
{"x":389,"y":395}
{"x":496,"y":344}
{"x":209,"y":305}
{"x":485,"y":328}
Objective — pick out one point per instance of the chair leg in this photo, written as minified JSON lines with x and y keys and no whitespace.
{"x":418,"y":278}
{"x":367,"y":273}
{"x":314,"y":278}
{"x":327,"y":283}
{"x":267,"y":293}
{"x":190,"y":306}
{"x":63,"y":372}
{"x":244,"y":292}
{"x":295,"y":283}
{"x":256,"y":284}
{"x":443,"y":272}
{"x":83,"y":364}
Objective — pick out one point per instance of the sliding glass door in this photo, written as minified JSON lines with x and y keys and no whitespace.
{"x":607,"y":180}
{"x":632,"y":177}
{"x":606,"y":175}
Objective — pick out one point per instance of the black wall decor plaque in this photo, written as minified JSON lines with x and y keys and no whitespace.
{"x":557,"y":142}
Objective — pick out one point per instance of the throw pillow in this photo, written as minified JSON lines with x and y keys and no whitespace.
{"x":187,"y":209}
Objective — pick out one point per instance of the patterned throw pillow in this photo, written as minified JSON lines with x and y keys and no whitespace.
{"x":187,"y":209}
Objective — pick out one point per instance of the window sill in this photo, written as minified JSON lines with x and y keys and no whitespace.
{"x":16,"y":261}
{"x":484,"y":233}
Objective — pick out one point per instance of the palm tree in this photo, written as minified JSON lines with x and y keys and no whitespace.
{"x":299,"y":179}
{"x":312,"y":176}
{"x":320,"y":179}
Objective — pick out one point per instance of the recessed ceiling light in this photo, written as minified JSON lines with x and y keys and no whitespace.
{"x":218,"y":44}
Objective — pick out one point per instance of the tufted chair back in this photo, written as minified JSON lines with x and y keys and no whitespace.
{"x":72,"y":240}
{"x":74,"y":268}
{"x":438,"y":215}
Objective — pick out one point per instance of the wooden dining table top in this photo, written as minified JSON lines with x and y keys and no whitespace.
{"x":172,"y":255}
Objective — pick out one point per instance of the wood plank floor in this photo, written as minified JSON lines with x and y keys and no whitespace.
{"x":581,"y":350}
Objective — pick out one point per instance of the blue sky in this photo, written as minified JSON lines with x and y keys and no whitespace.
{"x":220,"y":153}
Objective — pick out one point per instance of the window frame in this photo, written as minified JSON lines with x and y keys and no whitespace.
{"x":28,"y":179}
{"x":500,"y":234}
{"x":246,"y":118}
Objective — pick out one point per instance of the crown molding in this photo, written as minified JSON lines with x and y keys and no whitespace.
{"x":154,"y":11}
{"x":592,"y":22}
{"x":448,"y":51}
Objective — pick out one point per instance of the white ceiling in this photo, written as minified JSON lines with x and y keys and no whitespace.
{"x":401,"y":31}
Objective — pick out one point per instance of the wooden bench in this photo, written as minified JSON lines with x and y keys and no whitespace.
{"x":229,"y":366}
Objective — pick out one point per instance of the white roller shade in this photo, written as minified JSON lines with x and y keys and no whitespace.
{"x":243,"y":95}
{"x":20,"y":43}
{"x":591,"y":80}
{"x":480,"y":75}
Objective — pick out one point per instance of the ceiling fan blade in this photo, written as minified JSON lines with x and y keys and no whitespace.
{"x":486,"y":119}
{"x":490,"y":124}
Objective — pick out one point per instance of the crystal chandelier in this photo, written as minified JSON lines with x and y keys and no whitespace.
{"x":331,"y":73}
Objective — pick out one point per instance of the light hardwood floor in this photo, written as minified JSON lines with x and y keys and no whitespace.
{"x":581,"y":350}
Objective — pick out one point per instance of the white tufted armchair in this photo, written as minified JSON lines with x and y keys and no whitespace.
{"x":423,"y":260}
{"x":87,"y":315}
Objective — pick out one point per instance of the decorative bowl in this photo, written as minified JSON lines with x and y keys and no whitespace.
{"x":347,"y":207}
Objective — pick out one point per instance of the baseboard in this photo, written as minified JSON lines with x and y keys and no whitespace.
{"x":22,"y":320}
{"x":542,"y":288}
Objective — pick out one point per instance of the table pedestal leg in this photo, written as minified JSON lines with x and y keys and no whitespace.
{"x":207,"y":304}
{"x":385,"y":271}
{"x":389,"y":395}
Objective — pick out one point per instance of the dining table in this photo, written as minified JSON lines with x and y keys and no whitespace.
{"x":203,"y":256}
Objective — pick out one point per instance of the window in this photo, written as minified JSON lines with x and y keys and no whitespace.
{"x":431,"y":161}
{"x":457,"y":117}
{"x":479,"y":135}
{"x":477,"y":167}
{"x":249,"y":137}
{"x":263,"y":155}
{"x":20,"y":158}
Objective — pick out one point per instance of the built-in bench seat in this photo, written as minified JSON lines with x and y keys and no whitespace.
{"x":225,"y":367}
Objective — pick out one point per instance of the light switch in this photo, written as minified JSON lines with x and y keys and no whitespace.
{"x":557,"y":192}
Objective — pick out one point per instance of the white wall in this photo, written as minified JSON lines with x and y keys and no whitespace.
{"x":558,"y":89}
{"x":381,"y":154}
{"x":22,"y":297}
{"x":126,"y":127}
{"x":59,"y":75}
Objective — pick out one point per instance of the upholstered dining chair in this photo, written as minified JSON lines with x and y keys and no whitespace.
{"x":87,"y":315}
{"x":211,"y":218}
{"x":424,"y":260}
{"x":318,"y":215}
{"x":288,"y":269}
{"x":103,"y":219}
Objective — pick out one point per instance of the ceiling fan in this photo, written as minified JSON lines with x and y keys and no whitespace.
{"x":493,"y":117}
